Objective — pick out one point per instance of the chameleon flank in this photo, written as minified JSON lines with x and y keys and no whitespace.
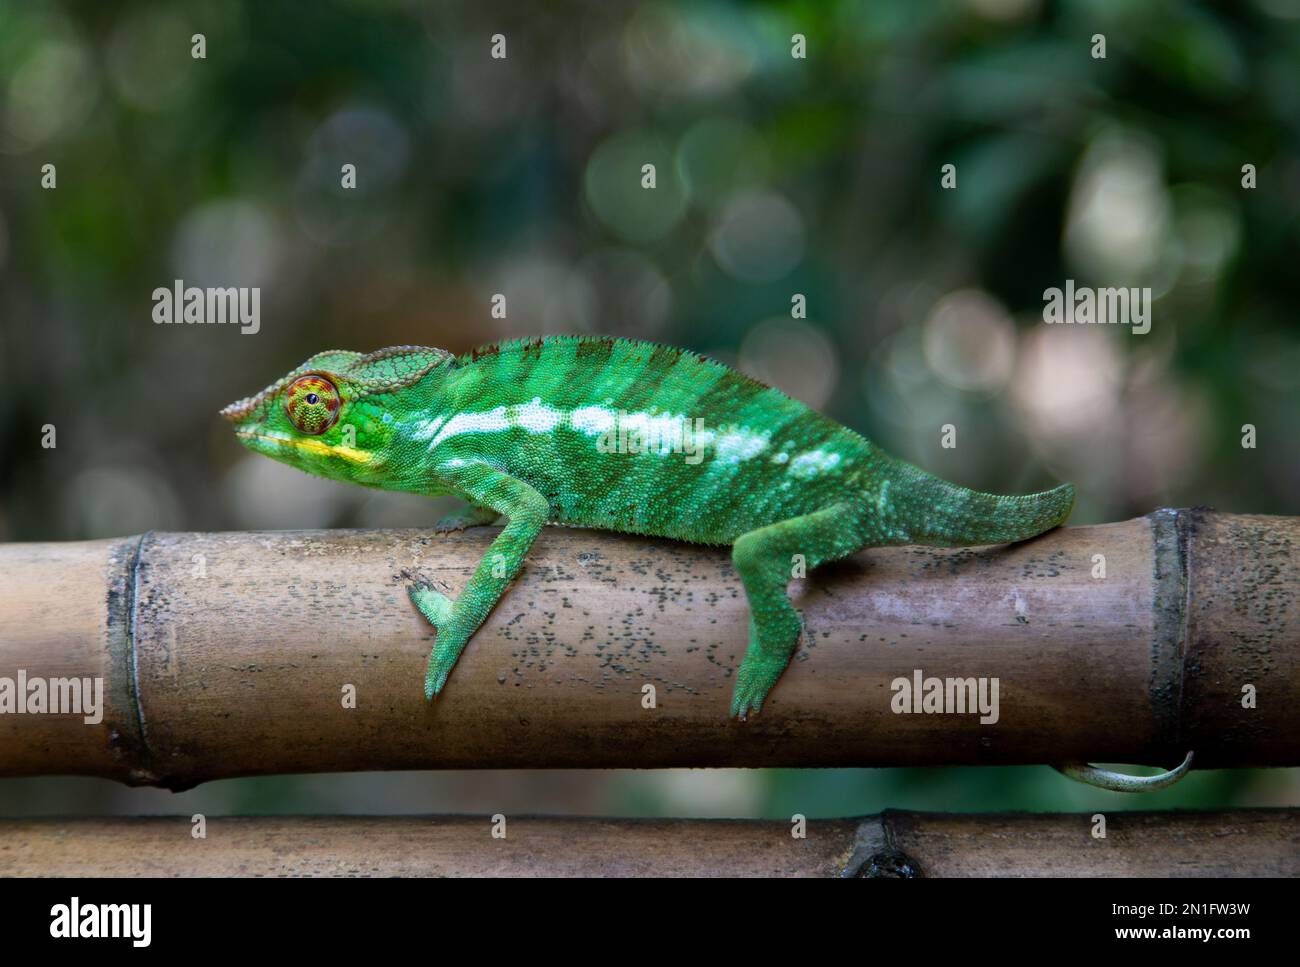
{"x":626,"y":436}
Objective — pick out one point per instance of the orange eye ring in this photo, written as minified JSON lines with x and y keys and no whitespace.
{"x":312,"y":404}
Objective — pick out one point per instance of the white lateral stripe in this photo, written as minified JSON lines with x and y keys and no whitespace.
{"x":661,"y":433}
{"x":493,"y":421}
{"x":813,"y":462}
{"x":535,"y":416}
{"x":592,"y":420}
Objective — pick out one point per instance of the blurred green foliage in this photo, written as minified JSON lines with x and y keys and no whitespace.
{"x":775,"y":175}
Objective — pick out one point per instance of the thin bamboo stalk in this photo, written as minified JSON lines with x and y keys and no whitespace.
{"x":894,"y":844}
{"x":232,"y":654}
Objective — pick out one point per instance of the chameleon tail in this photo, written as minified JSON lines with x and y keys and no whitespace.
{"x":927,"y":510}
{"x":931,"y":511}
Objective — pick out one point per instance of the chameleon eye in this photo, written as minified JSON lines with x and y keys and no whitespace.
{"x":312,"y":404}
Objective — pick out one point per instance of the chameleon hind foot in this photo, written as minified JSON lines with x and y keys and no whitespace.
{"x":763,"y":558}
{"x":755,"y":679}
{"x":765,"y":659}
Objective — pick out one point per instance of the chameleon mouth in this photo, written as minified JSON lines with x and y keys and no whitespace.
{"x":318,"y":447}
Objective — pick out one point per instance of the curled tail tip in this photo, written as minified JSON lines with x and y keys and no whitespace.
{"x":936,"y":512}
{"x":1052,"y":508}
{"x":1064,"y":496}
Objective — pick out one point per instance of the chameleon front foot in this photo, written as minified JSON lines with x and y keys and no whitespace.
{"x":437,"y":610}
{"x":436,"y":676}
{"x":466,"y":517}
{"x":451,"y":642}
{"x":434,"y":605}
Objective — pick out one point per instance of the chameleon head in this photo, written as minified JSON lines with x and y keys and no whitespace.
{"x":340,"y":414}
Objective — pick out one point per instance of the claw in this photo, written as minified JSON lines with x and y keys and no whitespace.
{"x":743,"y":704}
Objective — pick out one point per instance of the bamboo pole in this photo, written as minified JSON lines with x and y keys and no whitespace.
{"x":231,"y":654}
{"x":1259,"y":842}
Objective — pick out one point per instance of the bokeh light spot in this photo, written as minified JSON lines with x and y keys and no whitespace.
{"x":758,"y":237}
{"x":614,"y":187}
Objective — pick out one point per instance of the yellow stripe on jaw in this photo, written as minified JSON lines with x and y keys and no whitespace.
{"x":316,"y":446}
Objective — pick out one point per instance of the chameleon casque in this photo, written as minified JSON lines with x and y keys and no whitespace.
{"x":531,"y":430}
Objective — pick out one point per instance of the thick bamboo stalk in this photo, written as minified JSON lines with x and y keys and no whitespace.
{"x":232,"y":653}
{"x":1260,"y":842}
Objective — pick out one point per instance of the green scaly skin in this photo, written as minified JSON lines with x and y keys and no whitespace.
{"x":516,"y":429}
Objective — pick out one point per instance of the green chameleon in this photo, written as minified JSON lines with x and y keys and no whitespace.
{"x":626,"y":436}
